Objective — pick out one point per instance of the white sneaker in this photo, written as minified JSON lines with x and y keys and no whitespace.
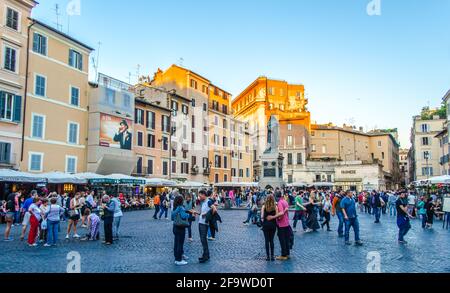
{"x":83,"y":226}
{"x":181,"y":263}
{"x":47,"y":245}
{"x":32,"y":245}
{"x":76,"y":236}
{"x":67,"y":237}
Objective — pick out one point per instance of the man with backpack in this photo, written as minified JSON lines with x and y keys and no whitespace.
{"x":336,"y":210}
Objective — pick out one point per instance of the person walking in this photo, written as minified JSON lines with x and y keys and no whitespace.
{"x":311,"y":208}
{"x":202,"y":226}
{"x":109,"y":208}
{"x":421,"y":207}
{"x":118,"y":214}
{"x":165,"y":204}
{"x":348,"y":207}
{"x":299,"y":212}
{"x":156,"y":203}
{"x":403,"y":217}
{"x":282,"y":218}
{"x":53,"y":217}
{"x":35,"y":218}
{"x":269,"y":226}
{"x":74,"y":216}
{"x":392,"y":199}
{"x":180,"y":220}
{"x":336,"y":210}
{"x":9,"y":216}
{"x":376,"y":203}
{"x":327,"y":212}
{"x":430,"y":212}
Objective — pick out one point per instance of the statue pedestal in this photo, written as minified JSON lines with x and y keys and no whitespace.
{"x":272,"y":171}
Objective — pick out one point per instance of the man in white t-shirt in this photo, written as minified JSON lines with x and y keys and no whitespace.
{"x":411,"y":203}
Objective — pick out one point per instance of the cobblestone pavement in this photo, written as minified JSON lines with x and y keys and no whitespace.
{"x":146,"y":246}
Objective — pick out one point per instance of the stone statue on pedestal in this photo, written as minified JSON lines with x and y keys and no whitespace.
{"x":272,"y":136}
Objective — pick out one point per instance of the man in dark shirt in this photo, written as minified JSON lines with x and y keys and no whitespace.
{"x":403,"y":217}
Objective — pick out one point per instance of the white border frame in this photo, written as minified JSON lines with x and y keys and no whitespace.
{"x":68,"y":132}
{"x":43,"y":127}
{"x":67,"y":165}
{"x":36,"y":75}
{"x":30,"y":154}
{"x":70,"y":95}
{"x":19,"y":21}
{"x":17,"y":49}
{"x":46,"y":47}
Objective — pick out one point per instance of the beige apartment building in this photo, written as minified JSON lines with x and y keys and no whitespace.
{"x":404,"y":167}
{"x":266,"y":97}
{"x":151,"y":135}
{"x":426,"y":149}
{"x":189,"y":121}
{"x":14,"y":16}
{"x":241,"y":152}
{"x":56,"y":114}
{"x":347,"y":144}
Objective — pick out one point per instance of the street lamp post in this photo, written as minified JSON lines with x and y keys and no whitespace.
{"x":427,"y":157}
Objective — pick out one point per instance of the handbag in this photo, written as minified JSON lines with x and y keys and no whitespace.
{"x":180,"y":222}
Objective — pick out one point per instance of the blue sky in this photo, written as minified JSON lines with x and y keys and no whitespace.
{"x":370,"y":71}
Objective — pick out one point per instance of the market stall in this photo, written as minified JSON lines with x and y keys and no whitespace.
{"x":63,"y":182}
{"x":13,"y":181}
{"x":158,"y":185}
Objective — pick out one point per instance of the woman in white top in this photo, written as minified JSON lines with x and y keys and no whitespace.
{"x":326,"y":208}
{"x":35,"y":218}
{"x":74,"y":215}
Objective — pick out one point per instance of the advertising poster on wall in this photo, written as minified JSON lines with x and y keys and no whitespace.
{"x":116,"y":132}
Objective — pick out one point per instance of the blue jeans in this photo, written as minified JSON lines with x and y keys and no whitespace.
{"x":180,"y":234}
{"x":341,"y":223}
{"x":377,"y":213}
{"x":392,"y":210}
{"x":17,"y":217}
{"x":52,"y":232}
{"x":116,"y":224}
{"x":424,"y":220}
{"x":303,"y":219}
{"x":352,"y":222}
{"x":249,"y":216}
{"x":163,"y":211}
{"x":403,"y":230}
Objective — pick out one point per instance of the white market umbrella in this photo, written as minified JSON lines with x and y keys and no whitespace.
{"x":445,"y":179}
{"x":62,"y":178}
{"x":8,"y":175}
{"x":192,"y":185}
{"x":159,"y":182}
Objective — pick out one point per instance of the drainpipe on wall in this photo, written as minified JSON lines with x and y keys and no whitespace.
{"x":26,"y":89}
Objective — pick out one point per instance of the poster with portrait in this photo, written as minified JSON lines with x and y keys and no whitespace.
{"x":116,"y":132}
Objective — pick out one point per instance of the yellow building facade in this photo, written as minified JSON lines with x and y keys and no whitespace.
{"x":56,"y":113}
{"x":211,"y":141}
{"x":265,"y":98}
{"x":14,"y":16}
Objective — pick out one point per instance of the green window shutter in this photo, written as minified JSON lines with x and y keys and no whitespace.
{"x":17,"y":109}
